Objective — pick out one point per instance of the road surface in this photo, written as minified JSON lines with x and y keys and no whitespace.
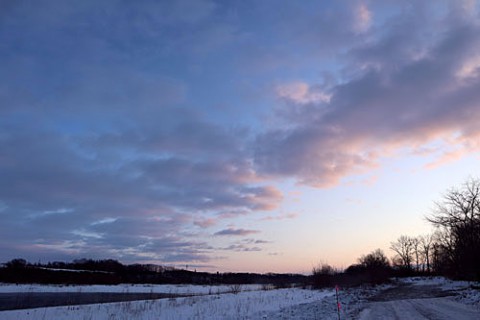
{"x":417,"y":302}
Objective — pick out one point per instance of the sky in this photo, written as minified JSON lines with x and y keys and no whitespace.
{"x":259,"y":136}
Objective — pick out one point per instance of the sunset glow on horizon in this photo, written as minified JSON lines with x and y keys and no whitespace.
{"x":250,"y":136}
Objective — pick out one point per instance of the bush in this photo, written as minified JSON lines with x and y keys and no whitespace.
{"x":376,"y":267}
{"x":323,"y":276}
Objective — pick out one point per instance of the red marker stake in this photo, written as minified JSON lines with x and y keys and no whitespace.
{"x":338,"y":302}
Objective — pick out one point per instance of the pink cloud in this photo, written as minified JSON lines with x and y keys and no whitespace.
{"x":363,"y":18}
{"x":446,"y":157}
{"x":280,"y":217}
{"x":266,"y":198}
{"x":302,"y":93}
{"x":383,"y":111}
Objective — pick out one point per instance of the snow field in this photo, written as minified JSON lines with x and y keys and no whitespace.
{"x":128,"y":288}
{"x":351,"y":302}
{"x":244,"y":305}
{"x":215,"y":302}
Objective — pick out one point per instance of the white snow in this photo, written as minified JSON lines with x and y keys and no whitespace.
{"x":464,"y":290}
{"x":464,"y":304}
{"x":444,"y":283}
{"x":127,"y":288}
{"x":291,"y":303}
{"x":430,"y":308}
{"x":244,"y":305}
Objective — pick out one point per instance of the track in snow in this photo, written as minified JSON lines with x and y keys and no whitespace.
{"x":417,"y":302}
{"x":432,"y":308}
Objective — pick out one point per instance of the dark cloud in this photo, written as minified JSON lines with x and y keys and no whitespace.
{"x":80,"y":195}
{"x":242,"y":248}
{"x":246,"y":245}
{"x":235,"y":232}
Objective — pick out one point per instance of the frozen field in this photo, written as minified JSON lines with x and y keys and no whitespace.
{"x":127,"y":288}
{"x":243,"y":305}
{"x":218,"y":302}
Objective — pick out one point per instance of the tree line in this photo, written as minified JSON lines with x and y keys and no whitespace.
{"x":452,"y":249}
{"x":108,"y":271}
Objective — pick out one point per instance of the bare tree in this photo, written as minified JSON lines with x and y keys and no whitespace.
{"x":426,"y":246}
{"x":404,"y":249}
{"x":416,"y":251}
{"x":443,"y":251}
{"x":459,"y":206}
{"x":459,"y":215}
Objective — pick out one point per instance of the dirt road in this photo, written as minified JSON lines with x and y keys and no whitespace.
{"x":417,"y":302}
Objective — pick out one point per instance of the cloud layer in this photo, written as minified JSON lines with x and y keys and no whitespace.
{"x":153,"y":132}
{"x":411,"y":87}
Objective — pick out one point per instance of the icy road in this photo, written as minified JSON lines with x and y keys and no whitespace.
{"x":417,"y":302}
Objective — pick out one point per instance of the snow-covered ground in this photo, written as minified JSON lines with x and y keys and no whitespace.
{"x":291,"y":303}
{"x":466,"y":292}
{"x":128,"y":288}
{"x":244,"y":305}
{"x":425,"y":298}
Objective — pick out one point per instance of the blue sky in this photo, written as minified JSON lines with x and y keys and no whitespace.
{"x":231,"y":135}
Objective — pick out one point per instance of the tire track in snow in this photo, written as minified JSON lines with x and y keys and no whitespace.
{"x":429,"y":304}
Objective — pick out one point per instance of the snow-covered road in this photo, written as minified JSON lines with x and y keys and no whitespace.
{"x":430,"y":308}
{"x":417,"y":301}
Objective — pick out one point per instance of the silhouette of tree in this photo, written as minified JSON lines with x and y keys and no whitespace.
{"x":374,"y":260}
{"x":16,"y":264}
{"x":404,"y":247}
{"x":376,"y":266}
{"x":323,"y":276}
{"x":459,"y":215}
{"x":426,"y":247}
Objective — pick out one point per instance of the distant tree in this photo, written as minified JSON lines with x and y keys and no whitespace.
{"x":426,"y":247}
{"x":355,"y":269}
{"x":404,"y":248}
{"x":16,"y":264}
{"x":323,"y":275}
{"x":376,"y":266}
{"x":458,"y":214}
{"x":324,"y":268}
{"x":374,"y":260}
{"x":416,"y":251}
